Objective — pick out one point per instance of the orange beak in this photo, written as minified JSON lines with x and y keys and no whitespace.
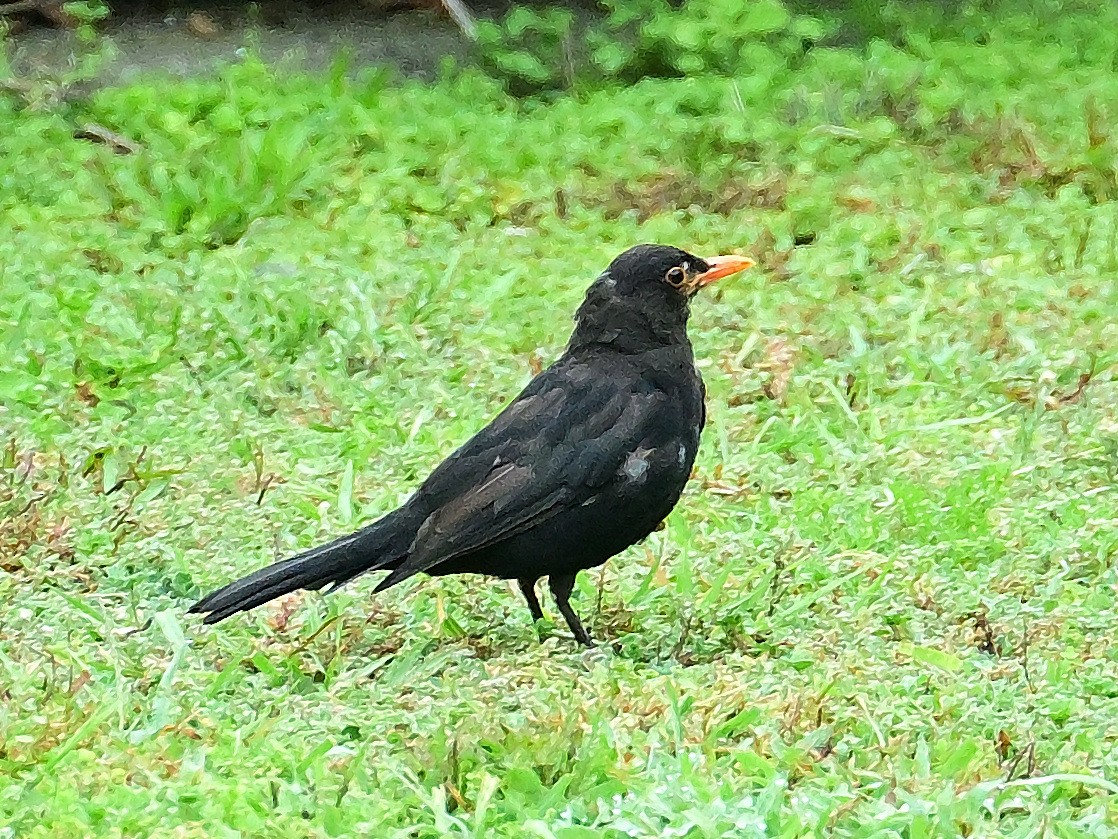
{"x":722,"y":266}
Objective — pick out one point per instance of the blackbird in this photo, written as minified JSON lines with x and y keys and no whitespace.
{"x":588,"y":459}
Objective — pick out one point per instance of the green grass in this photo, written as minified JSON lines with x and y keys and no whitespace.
{"x":885,"y":607}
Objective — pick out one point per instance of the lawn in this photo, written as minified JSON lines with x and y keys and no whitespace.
{"x":886,"y":605}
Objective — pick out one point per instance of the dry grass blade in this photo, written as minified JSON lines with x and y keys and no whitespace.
{"x":779,"y":361}
{"x":462,"y":17}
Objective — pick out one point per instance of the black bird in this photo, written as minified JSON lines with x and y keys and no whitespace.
{"x":586,"y":461}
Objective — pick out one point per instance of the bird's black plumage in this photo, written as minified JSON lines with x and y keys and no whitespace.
{"x":586,"y":461}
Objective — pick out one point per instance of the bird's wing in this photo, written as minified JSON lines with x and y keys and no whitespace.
{"x":548,"y":452}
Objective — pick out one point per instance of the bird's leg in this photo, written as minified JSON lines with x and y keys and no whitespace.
{"x":561,"y":588}
{"x":528,"y":587}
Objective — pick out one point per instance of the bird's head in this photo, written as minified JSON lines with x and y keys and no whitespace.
{"x":655,"y":271}
{"x":643,"y":297}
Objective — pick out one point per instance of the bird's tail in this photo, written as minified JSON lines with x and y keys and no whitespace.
{"x":334,"y":563}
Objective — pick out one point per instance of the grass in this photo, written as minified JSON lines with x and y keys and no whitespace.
{"x":886,"y":606}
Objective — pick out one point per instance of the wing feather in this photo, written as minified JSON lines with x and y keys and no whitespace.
{"x":550,"y":456}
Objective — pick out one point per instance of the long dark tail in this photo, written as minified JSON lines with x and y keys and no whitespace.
{"x":336,"y":563}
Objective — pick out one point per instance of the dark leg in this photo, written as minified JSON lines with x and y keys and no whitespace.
{"x":528,"y":587}
{"x":561,"y":588}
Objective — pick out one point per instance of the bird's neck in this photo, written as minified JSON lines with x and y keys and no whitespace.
{"x":627,"y":328}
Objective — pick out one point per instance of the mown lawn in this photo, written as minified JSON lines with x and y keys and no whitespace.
{"x":886,"y":606}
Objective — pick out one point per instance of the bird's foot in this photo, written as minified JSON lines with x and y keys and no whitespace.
{"x":584,"y":638}
{"x":596,"y":655}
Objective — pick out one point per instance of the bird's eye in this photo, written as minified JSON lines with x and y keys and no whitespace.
{"x":675,"y":277}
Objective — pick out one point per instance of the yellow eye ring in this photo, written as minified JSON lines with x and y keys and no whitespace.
{"x":676,"y":277}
